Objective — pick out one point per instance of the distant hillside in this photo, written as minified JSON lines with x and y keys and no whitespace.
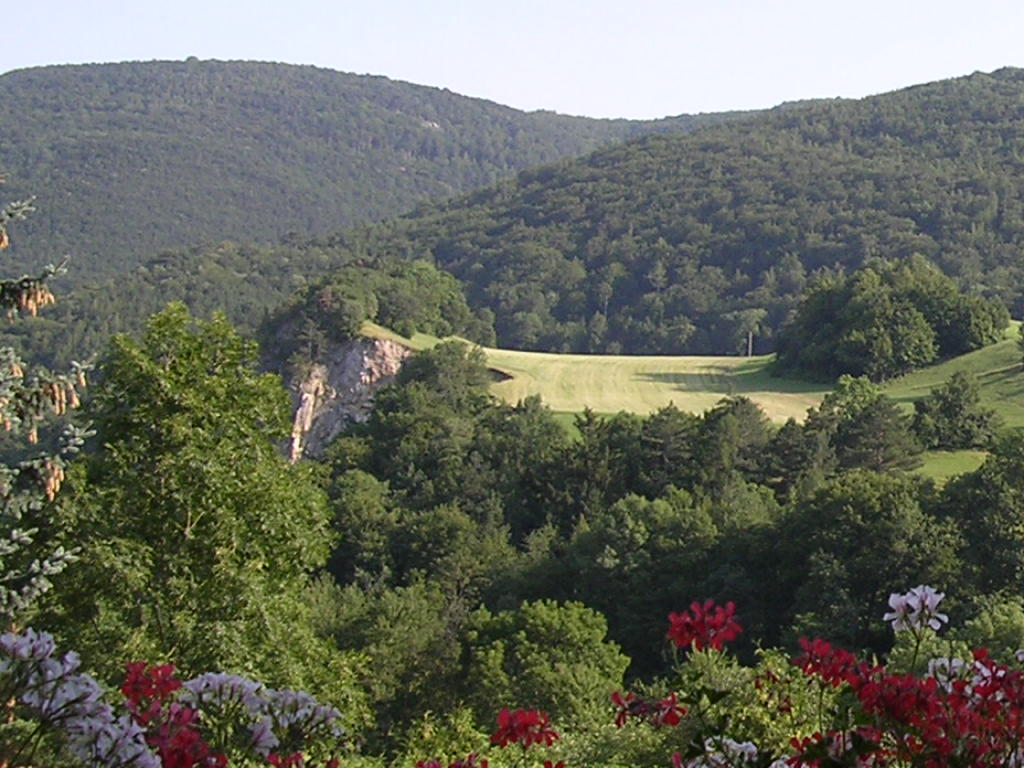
{"x":127,"y":159}
{"x":688,"y":243}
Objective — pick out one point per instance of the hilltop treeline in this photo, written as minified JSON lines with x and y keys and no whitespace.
{"x":131,"y":158}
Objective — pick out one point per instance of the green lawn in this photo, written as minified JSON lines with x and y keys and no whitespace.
{"x":997,"y":368}
{"x":613,"y":383}
{"x":642,"y":384}
{"x":942,"y":465}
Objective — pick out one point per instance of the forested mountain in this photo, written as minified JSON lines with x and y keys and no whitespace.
{"x":130,"y":158}
{"x":687,"y":243}
{"x":665,"y":244}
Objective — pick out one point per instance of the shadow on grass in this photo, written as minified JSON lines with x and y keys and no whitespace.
{"x":729,"y":380}
{"x":721,"y":381}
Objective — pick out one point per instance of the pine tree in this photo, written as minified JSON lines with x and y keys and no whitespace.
{"x":28,"y":558}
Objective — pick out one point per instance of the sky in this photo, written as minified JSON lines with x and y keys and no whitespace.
{"x":601,"y":58}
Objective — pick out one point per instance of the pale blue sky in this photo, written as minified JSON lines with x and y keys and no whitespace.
{"x":633,"y":58}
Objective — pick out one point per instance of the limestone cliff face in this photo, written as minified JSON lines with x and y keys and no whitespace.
{"x":339,"y":390}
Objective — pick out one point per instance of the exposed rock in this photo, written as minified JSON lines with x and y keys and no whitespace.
{"x":339,"y":390}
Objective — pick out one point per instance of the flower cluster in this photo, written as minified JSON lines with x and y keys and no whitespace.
{"x":167,"y":722}
{"x":916,"y":610}
{"x":524,"y":727}
{"x":274,"y":720}
{"x":704,"y":626}
{"x":656,"y":712}
{"x":172,"y":728}
{"x":720,"y":753}
{"x":959,"y":713}
{"x":61,"y":698}
{"x":833,"y":665}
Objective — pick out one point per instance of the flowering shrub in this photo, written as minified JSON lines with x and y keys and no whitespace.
{"x":957,"y":712}
{"x":201,"y":723}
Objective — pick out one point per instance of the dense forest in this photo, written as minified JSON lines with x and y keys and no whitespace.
{"x":672,"y":244}
{"x":138,"y":157}
{"x":666,"y":244}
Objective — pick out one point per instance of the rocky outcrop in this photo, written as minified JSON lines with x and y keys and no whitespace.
{"x":339,"y":389}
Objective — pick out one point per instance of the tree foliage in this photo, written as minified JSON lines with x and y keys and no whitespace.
{"x":252,"y":152}
{"x":951,"y":416}
{"x":885,"y":320}
{"x":197,"y":537}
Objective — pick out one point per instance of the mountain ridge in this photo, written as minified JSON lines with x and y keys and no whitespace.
{"x":129,"y":158}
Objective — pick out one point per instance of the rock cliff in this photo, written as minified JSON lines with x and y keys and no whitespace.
{"x":339,"y":389}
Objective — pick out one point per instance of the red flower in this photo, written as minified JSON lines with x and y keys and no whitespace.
{"x":664,"y":712}
{"x":171,"y":729}
{"x":833,"y":665}
{"x":142,"y":683}
{"x":278,"y":761}
{"x":668,"y":711}
{"x":628,"y":706}
{"x":523,"y":727}
{"x":469,"y":762}
{"x":704,"y":626}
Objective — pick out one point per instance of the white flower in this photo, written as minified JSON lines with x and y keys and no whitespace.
{"x":724,"y":753}
{"x":72,"y":702}
{"x":916,"y":610}
{"x":946,"y":670}
{"x":221,"y":689}
{"x":263,"y":738}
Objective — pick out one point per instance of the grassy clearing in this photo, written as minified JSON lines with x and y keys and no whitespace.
{"x":613,"y":383}
{"x":608,"y":384}
{"x":640,"y":384}
{"x":997,"y":368}
{"x":942,"y":465}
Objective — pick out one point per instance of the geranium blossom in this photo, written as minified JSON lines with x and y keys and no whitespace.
{"x":833,"y":665}
{"x":524,"y":727}
{"x":916,"y":610}
{"x":704,"y":626}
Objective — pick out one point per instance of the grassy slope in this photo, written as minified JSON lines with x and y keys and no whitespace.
{"x":612,"y":383}
{"x":997,"y":368}
{"x":608,"y":384}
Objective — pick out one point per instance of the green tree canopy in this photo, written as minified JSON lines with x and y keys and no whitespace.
{"x":544,"y":655}
{"x":951,"y":416}
{"x":197,"y":536}
{"x":884,"y":320}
